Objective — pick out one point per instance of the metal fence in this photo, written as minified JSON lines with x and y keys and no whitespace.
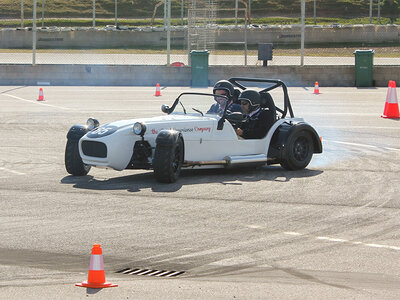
{"x":309,"y":36}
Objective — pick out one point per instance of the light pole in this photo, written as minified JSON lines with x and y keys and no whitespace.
{"x":249,"y":8}
{"x":379,"y":11}
{"x":43,"y":13}
{"x":94,"y":13}
{"x":303,"y":12}
{"x":236,"y":12}
{"x":34,"y":34}
{"x":116,"y":13}
{"x":370,"y":11}
{"x":22,"y":13}
{"x":169,"y":33}
{"x":165,"y":12}
{"x":182,"y":4}
{"x":315,"y":12}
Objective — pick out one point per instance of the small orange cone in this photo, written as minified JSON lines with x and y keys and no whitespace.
{"x":158,"y":91}
{"x":316,"y":88}
{"x":96,"y":278}
{"x":391,"y":110}
{"x":41,"y":96}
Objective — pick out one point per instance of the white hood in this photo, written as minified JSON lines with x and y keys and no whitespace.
{"x":189,"y":124}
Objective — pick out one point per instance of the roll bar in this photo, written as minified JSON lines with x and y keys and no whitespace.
{"x":275,"y":83}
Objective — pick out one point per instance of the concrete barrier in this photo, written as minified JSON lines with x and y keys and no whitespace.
{"x":135,"y":75}
{"x":156,"y":37}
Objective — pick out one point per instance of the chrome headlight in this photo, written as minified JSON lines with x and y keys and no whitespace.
{"x":92,"y":123}
{"x":139,"y":128}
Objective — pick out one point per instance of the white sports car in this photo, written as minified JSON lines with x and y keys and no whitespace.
{"x":187,"y":136}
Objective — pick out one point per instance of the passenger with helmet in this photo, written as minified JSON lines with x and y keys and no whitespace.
{"x":258,"y":120}
{"x":224,"y":88}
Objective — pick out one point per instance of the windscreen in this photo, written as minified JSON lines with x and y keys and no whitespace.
{"x":201,"y":104}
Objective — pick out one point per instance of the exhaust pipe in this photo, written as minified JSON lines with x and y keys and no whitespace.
{"x":230,"y":160}
{"x":245,"y":159}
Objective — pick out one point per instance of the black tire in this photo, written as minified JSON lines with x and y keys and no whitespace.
{"x":167,"y":161}
{"x":73,"y":161}
{"x":298,"y":151}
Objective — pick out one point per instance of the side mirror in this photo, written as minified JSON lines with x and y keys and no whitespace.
{"x":165,"y":108}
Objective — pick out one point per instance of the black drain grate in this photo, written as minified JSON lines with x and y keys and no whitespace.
{"x":148,"y":272}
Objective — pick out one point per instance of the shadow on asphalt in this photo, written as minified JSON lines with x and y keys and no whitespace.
{"x":236,"y":176}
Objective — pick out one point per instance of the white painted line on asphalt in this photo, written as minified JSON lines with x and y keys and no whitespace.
{"x":292,"y":233}
{"x":363,"y":145}
{"x":359,"y":127}
{"x":330,"y":239}
{"x":36,"y":102}
{"x":254,"y":226}
{"x":353,"y":144}
{"x":338,"y":114}
{"x":12,"y":171}
{"x":392,"y":149}
{"x":216,"y":250}
{"x":336,"y":240}
{"x":375,"y":245}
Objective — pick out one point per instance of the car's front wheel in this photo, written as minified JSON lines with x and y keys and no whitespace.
{"x":73,"y":160}
{"x":298,"y":151}
{"x":168,"y":160}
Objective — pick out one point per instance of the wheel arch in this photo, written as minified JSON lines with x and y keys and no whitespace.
{"x":281,"y":135}
{"x":314,"y":135}
{"x":76,"y":132}
{"x":169,"y":137}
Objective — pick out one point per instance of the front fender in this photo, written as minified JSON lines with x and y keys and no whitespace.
{"x":168,"y":137}
{"x":76,"y":132}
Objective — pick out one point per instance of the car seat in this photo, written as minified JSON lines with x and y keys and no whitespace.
{"x":268,"y":102}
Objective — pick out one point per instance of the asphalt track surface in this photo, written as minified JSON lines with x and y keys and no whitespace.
{"x":327,"y":232}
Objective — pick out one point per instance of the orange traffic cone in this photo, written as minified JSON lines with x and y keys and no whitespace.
{"x":158,"y":91}
{"x":41,"y":96}
{"x":391,"y":110}
{"x":316,"y":88}
{"x":96,"y":278}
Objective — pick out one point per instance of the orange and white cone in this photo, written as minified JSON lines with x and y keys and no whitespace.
{"x":316,"y":88}
{"x":96,"y":278}
{"x":158,"y":90}
{"x":41,"y":96}
{"x":391,"y":110}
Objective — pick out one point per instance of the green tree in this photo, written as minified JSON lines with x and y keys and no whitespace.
{"x":391,"y":9}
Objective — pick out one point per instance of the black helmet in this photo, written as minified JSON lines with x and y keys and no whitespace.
{"x":251,"y":96}
{"x":224,"y":85}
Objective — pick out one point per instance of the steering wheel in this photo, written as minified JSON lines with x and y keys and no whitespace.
{"x":235,"y":118}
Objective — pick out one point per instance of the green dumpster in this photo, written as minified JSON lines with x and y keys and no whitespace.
{"x":364,"y":65}
{"x":199,"y":65}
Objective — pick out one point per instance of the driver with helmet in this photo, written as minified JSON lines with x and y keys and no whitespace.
{"x":258,"y":120}
{"x":224,"y":88}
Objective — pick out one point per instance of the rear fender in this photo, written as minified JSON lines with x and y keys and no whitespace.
{"x":282,"y":134}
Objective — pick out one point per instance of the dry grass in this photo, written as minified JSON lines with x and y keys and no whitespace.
{"x":324,"y":52}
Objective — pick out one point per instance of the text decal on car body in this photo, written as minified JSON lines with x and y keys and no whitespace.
{"x":195,"y":129}
{"x":156,"y":131}
{"x":202,"y":129}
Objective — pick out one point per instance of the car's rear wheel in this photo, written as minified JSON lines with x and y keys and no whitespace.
{"x":168,"y":160}
{"x":73,"y":160}
{"x":298,"y":151}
